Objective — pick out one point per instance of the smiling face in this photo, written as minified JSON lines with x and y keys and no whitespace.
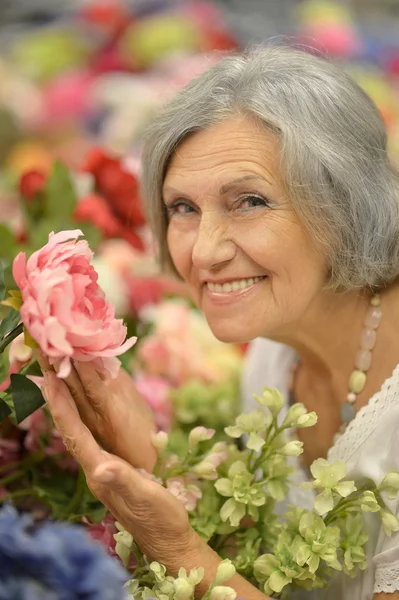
{"x":233,"y":235}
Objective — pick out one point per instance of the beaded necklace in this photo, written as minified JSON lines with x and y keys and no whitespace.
{"x":358,"y":377}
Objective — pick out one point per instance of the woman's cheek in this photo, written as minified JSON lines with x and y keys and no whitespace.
{"x":180,"y":244}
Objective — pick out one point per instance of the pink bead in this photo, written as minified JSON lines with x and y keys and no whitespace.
{"x":367,"y":339}
{"x":373,"y":317}
{"x":363,"y":360}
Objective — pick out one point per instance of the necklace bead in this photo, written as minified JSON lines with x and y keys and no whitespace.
{"x":363,"y":358}
{"x":373,"y":317}
{"x":367,"y":339}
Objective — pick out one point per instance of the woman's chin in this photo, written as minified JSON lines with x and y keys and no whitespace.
{"x":229,"y":334}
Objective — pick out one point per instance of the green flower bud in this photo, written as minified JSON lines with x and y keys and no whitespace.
{"x":390,"y":484}
{"x":221,"y":592}
{"x":272,"y":399}
{"x":225,"y":571}
{"x":160,"y":440}
{"x":158,"y":570}
{"x":307,"y":420}
{"x":183,"y":589}
{"x":368,"y":502}
{"x":389,"y":522}
{"x":199,"y":434}
{"x":294,"y":413}
{"x":294,"y":448}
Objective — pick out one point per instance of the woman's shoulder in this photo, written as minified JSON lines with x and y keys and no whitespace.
{"x":267,"y":363}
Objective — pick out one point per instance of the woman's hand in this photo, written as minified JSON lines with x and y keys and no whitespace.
{"x":158,"y":522}
{"x":113,"y":410}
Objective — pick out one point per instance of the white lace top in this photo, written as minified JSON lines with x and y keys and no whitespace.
{"x":369,"y":447}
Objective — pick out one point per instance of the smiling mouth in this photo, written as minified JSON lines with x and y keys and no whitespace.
{"x":232,"y":286}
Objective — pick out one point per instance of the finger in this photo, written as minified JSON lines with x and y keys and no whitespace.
{"x":95,"y":388}
{"x":78,"y":393}
{"x":43,"y":361}
{"x":76,"y":436}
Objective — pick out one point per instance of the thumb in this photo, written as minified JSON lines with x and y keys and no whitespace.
{"x":122,"y":479}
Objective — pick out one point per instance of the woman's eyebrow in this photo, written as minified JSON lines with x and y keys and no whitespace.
{"x":227,"y":186}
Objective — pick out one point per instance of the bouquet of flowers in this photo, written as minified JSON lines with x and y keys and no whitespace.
{"x":232,"y":496}
{"x":230,"y":479}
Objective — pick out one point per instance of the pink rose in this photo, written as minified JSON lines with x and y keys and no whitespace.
{"x":64,"y":309}
{"x":155,"y":391}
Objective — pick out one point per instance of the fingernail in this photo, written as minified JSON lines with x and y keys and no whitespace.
{"x":104,"y":475}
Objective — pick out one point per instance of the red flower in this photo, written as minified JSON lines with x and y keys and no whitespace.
{"x":96,"y":210}
{"x":31,"y":183}
{"x":119,"y":188}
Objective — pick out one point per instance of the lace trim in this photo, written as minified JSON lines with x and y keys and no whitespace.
{"x":387,"y":578}
{"x":366,"y":419}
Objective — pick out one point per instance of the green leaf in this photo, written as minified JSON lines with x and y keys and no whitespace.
{"x":5,"y":410}
{"x":4,"y":365}
{"x":61,"y":195}
{"x":26,"y":395}
{"x":9,"y":322}
{"x":8,"y":245}
{"x":92,"y":235}
{"x":38,"y":235}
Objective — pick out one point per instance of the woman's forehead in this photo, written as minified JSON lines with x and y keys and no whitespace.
{"x":236,"y":147}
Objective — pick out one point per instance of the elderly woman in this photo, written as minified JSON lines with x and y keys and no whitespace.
{"x":270,"y":192}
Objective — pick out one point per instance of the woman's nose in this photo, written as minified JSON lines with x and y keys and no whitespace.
{"x":213,"y":245}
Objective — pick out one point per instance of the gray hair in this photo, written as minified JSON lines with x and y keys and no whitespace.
{"x":333,"y":142}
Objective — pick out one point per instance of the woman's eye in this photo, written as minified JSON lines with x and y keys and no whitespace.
{"x":179,"y":208}
{"x":253,"y":202}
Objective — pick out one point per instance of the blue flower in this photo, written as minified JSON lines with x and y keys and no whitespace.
{"x":54,"y":561}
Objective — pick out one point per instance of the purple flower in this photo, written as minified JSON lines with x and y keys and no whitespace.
{"x":54,"y":561}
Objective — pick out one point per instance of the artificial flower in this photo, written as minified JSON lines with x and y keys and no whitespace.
{"x":64,"y":310}
{"x":54,"y":560}
{"x":327,"y":477}
{"x":245,"y":496}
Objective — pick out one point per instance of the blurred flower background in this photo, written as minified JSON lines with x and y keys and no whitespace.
{"x":79,"y":81}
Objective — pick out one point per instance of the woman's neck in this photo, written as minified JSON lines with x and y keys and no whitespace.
{"x":327,"y":338}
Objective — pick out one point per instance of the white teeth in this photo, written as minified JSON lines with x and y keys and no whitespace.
{"x":232,"y":286}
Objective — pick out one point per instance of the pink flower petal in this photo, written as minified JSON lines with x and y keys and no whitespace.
{"x":18,"y":270}
{"x":64,"y":236}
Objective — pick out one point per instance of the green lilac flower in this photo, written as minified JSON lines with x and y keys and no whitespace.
{"x":124,"y":543}
{"x":272,"y":399}
{"x":205,"y":519}
{"x":245,"y":495}
{"x":225,"y":571}
{"x":327,"y":477}
{"x":368,"y":502}
{"x":252,"y":424}
{"x":390,"y":484}
{"x":298,"y":417}
{"x":316,"y":542}
{"x":277,"y":571}
{"x":277,"y":472}
{"x":248,"y":544}
{"x":389,"y":522}
{"x":352,"y":544}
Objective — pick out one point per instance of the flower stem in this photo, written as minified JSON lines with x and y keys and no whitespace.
{"x":12,"y":477}
{"x":11,"y":336}
{"x":79,"y":490}
{"x":18,"y":494}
